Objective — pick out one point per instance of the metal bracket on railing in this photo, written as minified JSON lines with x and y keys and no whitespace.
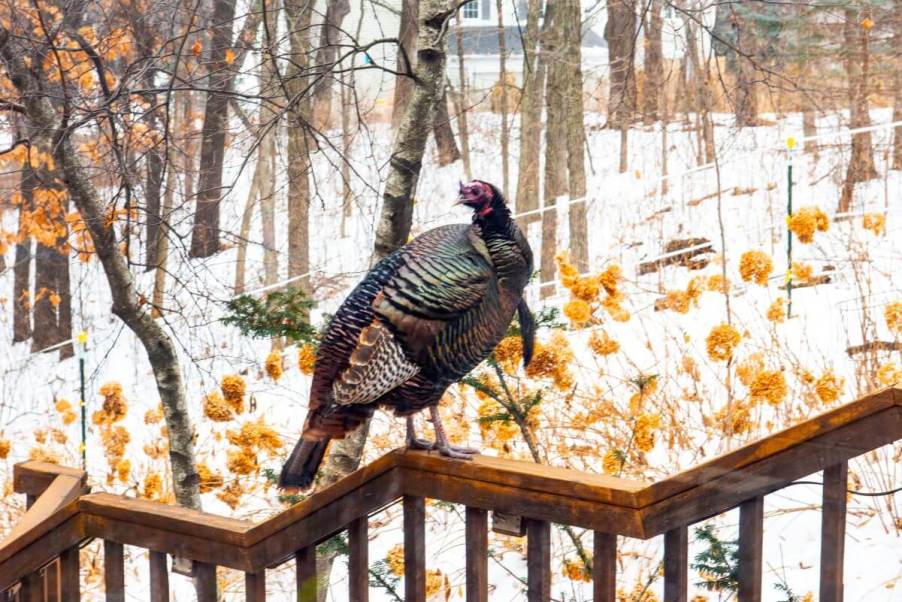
{"x":508,"y":524}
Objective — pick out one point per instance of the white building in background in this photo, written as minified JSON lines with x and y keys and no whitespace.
{"x":479,"y":24}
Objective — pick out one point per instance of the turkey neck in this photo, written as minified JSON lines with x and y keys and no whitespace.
{"x":506,"y":245}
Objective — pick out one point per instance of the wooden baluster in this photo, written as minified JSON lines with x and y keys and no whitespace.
{"x":477,"y":543}
{"x":604,"y":566}
{"x":751,"y":539}
{"x":255,"y":587}
{"x":676,"y":565}
{"x":305,"y":573}
{"x":414,"y":549}
{"x":52,"y":581}
{"x":359,"y":560}
{"x":32,"y":588}
{"x":159,"y":577}
{"x":833,"y":532}
{"x":114,"y":571}
{"x":70,"y":589}
{"x":205,"y":581}
{"x":538,"y":560}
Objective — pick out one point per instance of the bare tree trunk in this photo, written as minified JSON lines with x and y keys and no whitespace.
{"x":531,"y":116}
{"x":620,"y":33}
{"x":22,"y":294}
{"x":857,"y":59}
{"x":746,"y":108}
{"x":397,"y":211}
{"x":159,"y":276}
{"x":245,"y":229}
{"x":205,"y":234}
{"x":326,"y":55}
{"x":576,"y":132}
{"x":702,"y":94}
{"x":555,"y":180}
{"x":897,"y":99}
{"x":126,"y":300}
{"x":653,"y":90}
{"x":444,"y":135}
{"x":406,"y":61}
{"x":463,"y":127}
{"x":347,"y":140}
{"x":502,"y":78}
{"x":299,"y":143}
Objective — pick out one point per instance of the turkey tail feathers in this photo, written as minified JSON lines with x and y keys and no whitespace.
{"x":300,"y":468}
{"x":527,"y":330}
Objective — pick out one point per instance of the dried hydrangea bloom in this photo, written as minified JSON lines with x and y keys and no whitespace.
{"x":755,"y":266}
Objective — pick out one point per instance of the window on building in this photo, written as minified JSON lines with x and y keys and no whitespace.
{"x":470,"y":10}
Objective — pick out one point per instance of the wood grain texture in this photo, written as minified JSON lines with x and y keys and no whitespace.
{"x":305,"y":573}
{"x":751,"y":540}
{"x":359,"y":560}
{"x":833,"y":532}
{"x":604,"y":566}
{"x":32,"y":588}
{"x":477,"y":543}
{"x":255,"y":587}
{"x":159,"y":577}
{"x":114,"y":571}
{"x":205,"y":582}
{"x":538,"y":560}
{"x":70,"y":587}
{"x":676,"y":565}
{"x":33,"y":478}
{"x":52,"y":581}
{"x":414,"y":549}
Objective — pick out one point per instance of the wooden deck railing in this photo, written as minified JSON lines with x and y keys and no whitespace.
{"x":39,"y":558}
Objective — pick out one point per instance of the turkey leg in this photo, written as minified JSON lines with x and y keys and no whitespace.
{"x":441,"y":439}
{"x":414,"y":442}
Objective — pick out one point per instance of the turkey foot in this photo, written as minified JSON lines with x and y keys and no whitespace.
{"x":441,"y":439}
{"x":414,"y":442}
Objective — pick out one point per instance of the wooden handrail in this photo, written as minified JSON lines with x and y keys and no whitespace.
{"x":62,"y":517}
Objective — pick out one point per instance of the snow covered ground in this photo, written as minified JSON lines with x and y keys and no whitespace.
{"x":630,"y":220}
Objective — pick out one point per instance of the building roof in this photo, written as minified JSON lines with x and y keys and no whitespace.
{"x":483,"y":40}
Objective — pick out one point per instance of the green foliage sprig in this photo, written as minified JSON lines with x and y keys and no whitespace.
{"x":284,"y":313}
{"x":718,"y":562}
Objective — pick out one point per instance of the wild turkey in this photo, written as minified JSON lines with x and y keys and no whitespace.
{"x":422,"y":318}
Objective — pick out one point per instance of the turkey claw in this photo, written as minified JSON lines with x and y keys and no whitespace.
{"x":458,"y":453}
{"x":417,"y":443}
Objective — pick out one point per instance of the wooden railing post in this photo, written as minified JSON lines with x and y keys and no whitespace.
{"x":604,"y":566}
{"x":305,"y":573}
{"x":751,"y":539}
{"x":676,"y":565}
{"x":477,"y":543}
{"x":52,"y":581}
{"x":414,"y":549}
{"x":833,"y":532}
{"x":538,"y":560}
{"x":114,"y":571}
{"x":359,"y":560}
{"x":32,"y":588}
{"x":159,"y":577}
{"x":205,"y":581}
{"x":255,"y":587}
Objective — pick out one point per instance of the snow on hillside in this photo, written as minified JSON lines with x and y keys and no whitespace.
{"x":631,"y":219}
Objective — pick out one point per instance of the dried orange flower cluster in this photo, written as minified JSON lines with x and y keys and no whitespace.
{"x":769,"y":386}
{"x":585,"y":292}
{"x":509,"y":352}
{"x":738,"y":416}
{"x":552,"y":360}
{"x":829,"y":387}
{"x":644,"y":431}
{"x":721,"y":342}
{"x":154,"y":416}
{"x":640,"y":593}
{"x":755,"y":266}
{"x":874,"y":222}
{"x":681,"y":301}
{"x":113,"y":437}
{"x":892,"y":313}
{"x":114,"y":407}
{"x":718,"y":284}
{"x":307,"y":358}
{"x":575,"y":570}
{"x":613,"y":461}
{"x":889,"y":374}
{"x":777,"y":311}
{"x":395,"y":560}
{"x":802,"y":272}
{"x":68,"y":416}
{"x":251,"y":439}
{"x":153,"y":486}
{"x":274,"y":364}
{"x":437,"y":582}
{"x":216,"y":408}
{"x":209,"y":480}
{"x":806,"y":221}
{"x":602,"y":344}
{"x":233,"y":389}
{"x":5,"y":447}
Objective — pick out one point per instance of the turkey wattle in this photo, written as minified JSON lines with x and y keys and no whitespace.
{"x":422,"y":318}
